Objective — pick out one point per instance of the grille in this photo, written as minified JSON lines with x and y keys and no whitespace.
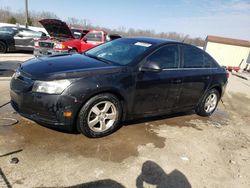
{"x":46,"y":44}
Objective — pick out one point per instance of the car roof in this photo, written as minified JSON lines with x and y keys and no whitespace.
{"x":15,"y":27}
{"x":156,"y":41}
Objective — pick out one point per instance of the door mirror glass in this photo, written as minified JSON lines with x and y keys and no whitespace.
{"x":151,"y":66}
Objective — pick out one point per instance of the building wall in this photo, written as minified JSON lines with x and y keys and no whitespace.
{"x":227,"y":55}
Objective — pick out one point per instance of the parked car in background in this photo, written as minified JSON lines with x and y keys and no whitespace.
{"x":68,"y":40}
{"x":120,"y":80}
{"x":16,"y":38}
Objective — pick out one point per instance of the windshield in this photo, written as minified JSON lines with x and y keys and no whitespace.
{"x":120,"y":51}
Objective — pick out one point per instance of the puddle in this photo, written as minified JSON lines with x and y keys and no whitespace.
{"x":39,"y":140}
{"x":36,"y":138}
{"x":7,"y":122}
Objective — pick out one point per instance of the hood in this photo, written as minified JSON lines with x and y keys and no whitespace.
{"x":65,"y":66}
{"x":57,"y":28}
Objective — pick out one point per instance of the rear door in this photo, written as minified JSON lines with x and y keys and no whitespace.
{"x":196,"y":76}
{"x":158,"y":91}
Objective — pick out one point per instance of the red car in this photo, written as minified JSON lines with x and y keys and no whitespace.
{"x":68,"y":40}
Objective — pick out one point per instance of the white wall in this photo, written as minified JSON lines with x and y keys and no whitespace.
{"x":227,"y":55}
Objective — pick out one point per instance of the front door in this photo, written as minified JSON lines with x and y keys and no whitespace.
{"x":24,"y":39}
{"x":158,"y":91}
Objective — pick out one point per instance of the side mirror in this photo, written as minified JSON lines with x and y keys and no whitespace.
{"x":151,"y":66}
{"x":85,"y":39}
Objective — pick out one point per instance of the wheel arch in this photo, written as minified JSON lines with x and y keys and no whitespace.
{"x":5,"y":42}
{"x":112,"y":91}
{"x":218,"y":88}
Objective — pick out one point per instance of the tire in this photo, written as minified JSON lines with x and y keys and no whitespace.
{"x":3,"y":47}
{"x":100,"y":116}
{"x":209,"y":103}
{"x":73,"y":51}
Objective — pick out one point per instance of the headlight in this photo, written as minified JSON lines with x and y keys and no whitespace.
{"x":51,"y":87}
{"x":60,"y":46}
{"x":36,"y":43}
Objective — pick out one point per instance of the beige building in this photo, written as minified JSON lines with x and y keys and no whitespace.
{"x":227,"y":51}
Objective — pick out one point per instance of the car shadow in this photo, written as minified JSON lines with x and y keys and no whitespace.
{"x":156,"y":118}
{"x":151,"y":175}
{"x":73,"y":130}
{"x":21,"y":51}
{"x":9,"y":66}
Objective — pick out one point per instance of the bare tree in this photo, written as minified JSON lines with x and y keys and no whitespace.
{"x":6,"y":14}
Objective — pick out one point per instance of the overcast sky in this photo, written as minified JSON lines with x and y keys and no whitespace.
{"x":198,"y":18}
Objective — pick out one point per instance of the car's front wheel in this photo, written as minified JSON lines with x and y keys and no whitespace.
{"x":73,"y":51}
{"x":100,"y":116}
{"x":209,"y":103}
{"x":3,"y":47}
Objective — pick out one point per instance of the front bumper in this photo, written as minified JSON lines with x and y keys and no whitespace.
{"x":46,"y":109}
{"x":38,"y":52}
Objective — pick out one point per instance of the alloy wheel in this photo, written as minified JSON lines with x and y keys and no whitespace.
{"x":102,"y":116}
{"x":211,"y":103}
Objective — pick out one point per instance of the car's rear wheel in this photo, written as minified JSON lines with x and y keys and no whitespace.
{"x":100,"y":116}
{"x":209,"y":103}
{"x":3,"y":47}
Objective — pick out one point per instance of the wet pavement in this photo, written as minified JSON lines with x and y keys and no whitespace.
{"x":199,"y":151}
{"x":27,"y":134}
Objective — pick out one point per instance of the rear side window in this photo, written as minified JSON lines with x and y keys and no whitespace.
{"x":193,"y":58}
{"x":209,"y":62}
{"x":196,"y":58}
{"x":94,"y":36}
{"x":167,"y":56}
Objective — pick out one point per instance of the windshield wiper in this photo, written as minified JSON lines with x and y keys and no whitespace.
{"x":97,"y":58}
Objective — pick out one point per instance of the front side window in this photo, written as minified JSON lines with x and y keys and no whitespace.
{"x":167,"y":57}
{"x":94,"y":36}
{"x":29,"y":33}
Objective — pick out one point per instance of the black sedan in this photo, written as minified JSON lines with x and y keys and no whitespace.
{"x":120,"y":80}
{"x":17,"y":38}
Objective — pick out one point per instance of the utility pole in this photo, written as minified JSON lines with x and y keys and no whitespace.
{"x":26,"y":13}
